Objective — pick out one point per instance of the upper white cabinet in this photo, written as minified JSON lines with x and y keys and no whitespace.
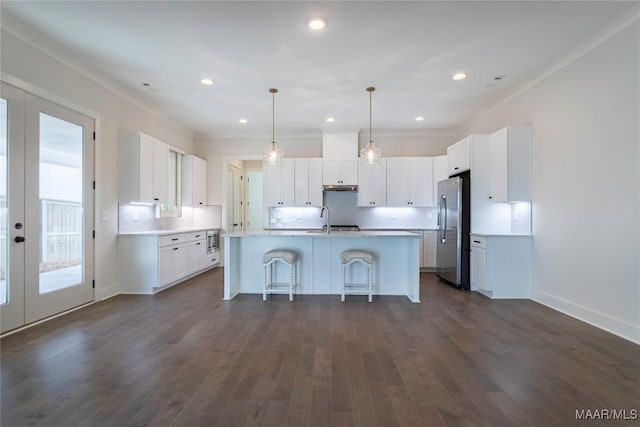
{"x":308,"y":182}
{"x":510,"y":164}
{"x":279,"y":184}
{"x":459,"y":156}
{"x":372,"y":184}
{"x":340,"y":171}
{"x":143,"y":168}
{"x":194,"y":181}
{"x":410,"y":182}
{"x":440,"y":173}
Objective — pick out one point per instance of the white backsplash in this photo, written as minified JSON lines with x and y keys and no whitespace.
{"x":344,"y":210}
{"x":132,"y":217}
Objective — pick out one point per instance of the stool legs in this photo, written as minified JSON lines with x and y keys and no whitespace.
{"x":268,"y":283}
{"x":342,"y":282}
{"x":265,"y":282}
{"x":370,"y":281}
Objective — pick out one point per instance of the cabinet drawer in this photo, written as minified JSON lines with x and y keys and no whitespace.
{"x":478,"y":241}
{"x":213,"y":259}
{"x":172,"y":239}
{"x":197,"y":235}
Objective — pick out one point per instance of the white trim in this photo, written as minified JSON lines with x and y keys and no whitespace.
{"x":46,"y":319}
{"x":102,"y":294}
{"x":60,"y":54}
{"x":602,"y":321}
{"x":615,"y":27}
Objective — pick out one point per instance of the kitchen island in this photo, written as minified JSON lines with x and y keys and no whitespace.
{"x":396,"y":269}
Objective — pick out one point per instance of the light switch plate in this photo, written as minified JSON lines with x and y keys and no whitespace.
{"x":104,"y":215}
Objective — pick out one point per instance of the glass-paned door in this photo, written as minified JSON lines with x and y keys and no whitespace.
{"x":56,"y":228}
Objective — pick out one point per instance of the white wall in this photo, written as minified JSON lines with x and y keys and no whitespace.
{"x":33,"y":69}
{"x":586,"y":184}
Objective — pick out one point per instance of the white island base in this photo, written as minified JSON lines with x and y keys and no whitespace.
{"x":396,"y":269}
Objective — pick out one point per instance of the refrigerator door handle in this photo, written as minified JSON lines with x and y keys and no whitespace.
{"x":443,"y":228}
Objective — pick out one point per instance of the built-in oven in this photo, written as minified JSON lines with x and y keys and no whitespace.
{"x":213,"y":241}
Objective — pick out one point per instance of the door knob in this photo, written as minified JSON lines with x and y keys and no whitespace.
{"x":18,"y":225}
{"x":19,"y":239}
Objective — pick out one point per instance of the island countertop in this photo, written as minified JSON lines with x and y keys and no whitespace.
{"x":318,"y":233}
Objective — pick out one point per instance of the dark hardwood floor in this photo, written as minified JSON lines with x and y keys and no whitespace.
{"x":185,"y":357}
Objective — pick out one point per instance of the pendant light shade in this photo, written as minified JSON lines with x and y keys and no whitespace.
{"x":272,"y":155}
{"x":370,"y":154}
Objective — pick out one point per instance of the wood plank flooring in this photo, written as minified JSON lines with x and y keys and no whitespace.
{"x":185,"y":357}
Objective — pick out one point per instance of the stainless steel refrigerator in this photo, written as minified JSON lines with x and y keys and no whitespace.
{"x":454,"y":222}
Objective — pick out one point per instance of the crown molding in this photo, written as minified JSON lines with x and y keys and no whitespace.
{"x":33,"y":37}
{"x":615,"y":27}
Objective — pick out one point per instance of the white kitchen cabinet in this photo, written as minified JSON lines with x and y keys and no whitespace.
{"x":308,"y":182}
{"x":429,"y":248}
{"x":510,"y":151}
{"x":340,"y":171}
{"x":152,"y":263}
{"x":194,"y":181}
{"x":459,"y":156}
{"x":410,"y":182}
{"x":143,"y":163}
{"x":500,"y":265}
{"x":372,"y":184}
{"x":279,"y":184}
{"x":440,"y":173}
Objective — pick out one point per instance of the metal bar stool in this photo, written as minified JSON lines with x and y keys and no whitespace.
{"x":287,"y":257}
{"x":346,"y":259}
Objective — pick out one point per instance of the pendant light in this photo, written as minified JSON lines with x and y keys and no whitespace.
{"x":370,"y":154}
{"x":272,"y":155}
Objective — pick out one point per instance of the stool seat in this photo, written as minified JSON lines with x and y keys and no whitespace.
{"x":354,"y":254}
{"x":288,"y":256}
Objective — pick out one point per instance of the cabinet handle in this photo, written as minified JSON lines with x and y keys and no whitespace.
{"x":174,"y":239}
{"x":197,"y":235}
{"x":201,"y":203}
{"x":491,"y":197}
{"x":19,"y":239}
{"x":175,"y":249}
{"x":456,"y":169}
{"x":198,"y":244}
{"x":477,"y":241}
{"x":156,"y":199}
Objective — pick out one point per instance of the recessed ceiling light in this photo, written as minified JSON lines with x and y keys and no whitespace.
{"x":419,"y":119}
{"x":317,"y":24}
{"x":459,"y":76}
{"x":243,"y":121}
{"x":206,"y":81}
{"x":330,"y":120}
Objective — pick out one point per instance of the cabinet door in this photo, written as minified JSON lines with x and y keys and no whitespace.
{"x":315,"y":182}
{"x":478,"y":268}
{"x":398,"y":177}
{"x":166,"y":271}
{"x":379,"y":181}
{"x":196,"y":251}
{"x":349,"y":172}
{"x":430,"y":243}
{"x":421,"y":182}
{"x":365,"y":186}
{"x":146,"y":169}
{"x":160,"y":172}
{"x":301,"y":190}
{"x":330,"y":172}
{"x":199,"y":182}
{"x":499,"y":185}
{"x":272,"y":185}
{"x":180,"y":260}
{"x":287,"y":182}
{"x":440,"y":172}
{"x":459,"y":156}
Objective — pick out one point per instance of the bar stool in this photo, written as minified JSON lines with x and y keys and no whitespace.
{"x":287,"y":257}
{"x":349,"y":257}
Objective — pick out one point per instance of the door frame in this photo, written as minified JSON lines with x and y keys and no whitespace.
{"x":97,"y":172}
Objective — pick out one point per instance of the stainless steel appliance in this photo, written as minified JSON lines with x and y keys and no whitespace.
{"x":213,"y":241}
{"x":452,"y":255}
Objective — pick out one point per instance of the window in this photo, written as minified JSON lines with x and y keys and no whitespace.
{"x":174,"y":207}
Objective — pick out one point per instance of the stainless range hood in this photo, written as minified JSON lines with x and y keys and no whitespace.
{"x":340,"y":187}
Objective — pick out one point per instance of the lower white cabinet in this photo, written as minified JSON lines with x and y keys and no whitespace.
{"x":429,"y":247}
{"x":150,"y":263}
{"x":501,"y":265}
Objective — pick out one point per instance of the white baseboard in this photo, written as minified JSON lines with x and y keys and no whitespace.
{"x":603,"y":321}
{"x":102,"y":294}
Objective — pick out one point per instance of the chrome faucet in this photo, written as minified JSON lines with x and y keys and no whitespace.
{"x":328,"y":218}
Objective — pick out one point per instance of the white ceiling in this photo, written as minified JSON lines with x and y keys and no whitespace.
{"x":408,"y":50}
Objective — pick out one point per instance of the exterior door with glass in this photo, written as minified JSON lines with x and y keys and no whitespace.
{"x":48,"y":228}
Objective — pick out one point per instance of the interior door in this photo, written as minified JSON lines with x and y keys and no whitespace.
{"x":254,"y":200}
{"x":48,"y":208}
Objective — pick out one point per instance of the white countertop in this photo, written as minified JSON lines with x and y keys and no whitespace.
{"x":165,"y":232}
{"x":301,"y":233}
{"x":500,"y":235}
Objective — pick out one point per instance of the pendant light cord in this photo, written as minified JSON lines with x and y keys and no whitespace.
{"x":370,"y":90}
